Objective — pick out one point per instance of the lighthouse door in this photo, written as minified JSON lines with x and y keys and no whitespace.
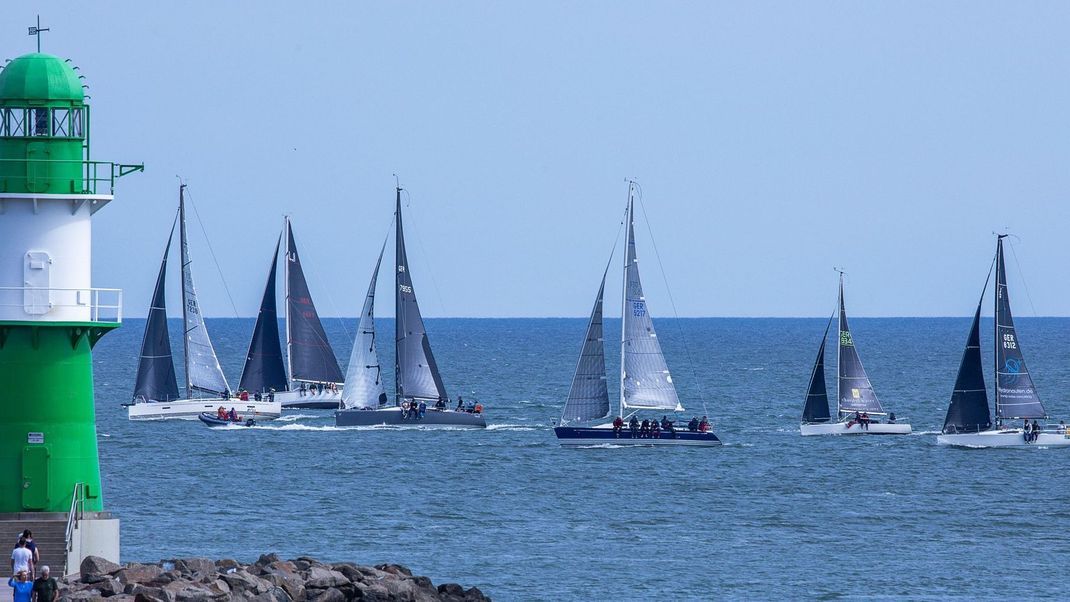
{"x":35,"y":490}
{"x":38,"y":168}
{"x":37,"y":280}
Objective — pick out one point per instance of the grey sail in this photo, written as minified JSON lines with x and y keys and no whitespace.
{"x":588,"y":397}
{"x":364,"y":383}
{"x":816,"y":408}
{"x":156,"y":380}
{"x":203,"y":373}
{"x":856,"y":393}
{"x":311,"y":356}
{"x":645,"y":379}
{"x":416,"y":373}
{"x":1016,"y":397}
{"x":968,"y":412}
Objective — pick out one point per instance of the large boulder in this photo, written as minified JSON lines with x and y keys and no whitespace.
{"x":323,"y":578}
{"x":473,"y":594}
{"x":267,"y":559}
{"x":329,"y":595}
{"x":94,"y":568}
{"x":186,"y":591}
{"x":240,"y":581}
{"x":395,"y":569}
{"x":138,"y":573}
{"x":84,"y":595}
{"x":193,"y":566}
{"x":144,"y":593}
{"x":291,"y":583}
{"x":109,"y":587}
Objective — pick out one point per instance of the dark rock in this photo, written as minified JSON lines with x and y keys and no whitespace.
{"x":451,"y":589}
{"x":373,"y":592}
{"x":293,"y":585}
{"x":82,"y":595}
{"x":144,"y":593}
{"x":275,"y":594}
{"x":323,"y":578}
{"x":240,"y":581}
{"x":475,"y":595}
{"x":395,"y":569}
{"x":227,"y":563}
{"x":302,"y":565}
{"x":279,"y":567}
{"x":329,"y":595}
{"x":423,"y":582}
{"x":313,"y":562}
{"x":110,"y":587}
{"x":350,"y":571}
{"x":266,"y":559}
{"x":138,"y":573}
{"x":190,"y":566}
{"x":95,"y":566}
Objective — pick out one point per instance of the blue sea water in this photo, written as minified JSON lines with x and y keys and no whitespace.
{"x":769,"y":515}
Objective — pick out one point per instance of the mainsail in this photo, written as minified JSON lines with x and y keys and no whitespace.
{"x":968,"y":411}
{"x":311,"y":357}
{"x":415,"y":371}
{"x":264,"y":369}
{"x":203,"y":372}
{"x":817,"y":399}
{"x":855,"y":391}
{"x":156,"y":379}
{"x":1015,"y":395}
{"x":645,"y":379}
{"x":364,"y":384}
{"x":588,"y":397}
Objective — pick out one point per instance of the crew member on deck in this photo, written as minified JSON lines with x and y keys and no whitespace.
{"x":633,"y":426}
{"x":618,"y":426}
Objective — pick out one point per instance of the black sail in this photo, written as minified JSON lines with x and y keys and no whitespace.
{"x":968,"y":411}
{"x":855,"y":391}
{"x":156,"y":380}
{"x":264,"y":369}
{"x":311,"y":356}
{"x":1016,"y":397}
{"x":817,"y":399}
{"x":415,"y":370}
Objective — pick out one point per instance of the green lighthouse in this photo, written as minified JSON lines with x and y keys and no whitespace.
{"x":51,"y":316}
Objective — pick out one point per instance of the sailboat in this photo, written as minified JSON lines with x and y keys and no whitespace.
{"x":968,"y":422}
{"x":416,"y":376}
{"x":314,"y":377}
{"x":156,"y":393}
{"x":645,"y":382}
{"x":854,"y":392}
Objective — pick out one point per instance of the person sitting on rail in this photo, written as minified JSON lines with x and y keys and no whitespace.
{"x":704,"y":425}
{"x":618,"y":426}
{"x":633,"y":426}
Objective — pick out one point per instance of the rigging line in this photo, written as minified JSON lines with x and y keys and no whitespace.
{"x":676,"y":315}
{"x":425,"y":256}
{"x":1021,"y":276}
{"x":212,"y":252}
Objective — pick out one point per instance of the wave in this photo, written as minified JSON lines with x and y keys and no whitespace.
{"x":293,"y":417}
{"x":515,"y":427}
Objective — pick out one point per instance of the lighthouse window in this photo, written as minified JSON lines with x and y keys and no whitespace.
{"x":67,"y":123}
{"x":40,"y":122}
{"x":12,"y":122}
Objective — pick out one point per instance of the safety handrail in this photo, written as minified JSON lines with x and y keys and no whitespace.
{"x":103,"y":304}
{"x":77,"y":506}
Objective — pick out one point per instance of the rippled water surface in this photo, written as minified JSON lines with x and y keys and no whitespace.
{"x":769,"y":515}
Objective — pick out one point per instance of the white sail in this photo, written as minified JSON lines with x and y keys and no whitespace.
{"x":203,"y":372}
{"x":364,"y":384}
{"x":645,"y":379}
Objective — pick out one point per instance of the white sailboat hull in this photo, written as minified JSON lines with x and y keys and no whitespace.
{"x":845,"y":428}
{"x":189,"y":409}
{"x":1004,"y":438}
{"x":325,"y":400}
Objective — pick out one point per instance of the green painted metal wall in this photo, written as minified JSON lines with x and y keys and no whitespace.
{"x":48,"y":439}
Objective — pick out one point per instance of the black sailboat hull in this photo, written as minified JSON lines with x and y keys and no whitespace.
{"x":572,"y":436}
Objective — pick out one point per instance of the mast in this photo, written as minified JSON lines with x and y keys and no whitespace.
{"x":185,"y":309}
{"x":839,"y":335}
{"x":624,"y":293}
{"x":286,"y":279}
{"x":399,"y":328}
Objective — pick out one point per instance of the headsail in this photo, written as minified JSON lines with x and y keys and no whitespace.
{"x":645,"y":379}
{"x":264,"y":369}
{"x":856,"y":394}
{"x":817,"y":399}
{"x":311,"y":356}
{"x":968,"y":411}
{"x":203,"y":372}
{"x":364,"y":383}
{"x":588,"y":397}
{"x":1015,"y":395}
{"x":416,"y":373}
{"x":156,"y":379}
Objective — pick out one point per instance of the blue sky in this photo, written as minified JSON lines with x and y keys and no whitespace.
{"x":773,"y":141}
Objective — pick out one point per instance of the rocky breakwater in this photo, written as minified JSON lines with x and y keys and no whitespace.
{"x":269,"y":579}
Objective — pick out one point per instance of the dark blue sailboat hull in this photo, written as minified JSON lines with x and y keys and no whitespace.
{"x":574,"y":435}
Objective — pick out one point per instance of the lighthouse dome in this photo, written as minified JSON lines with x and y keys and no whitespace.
{"x":40,"y":78}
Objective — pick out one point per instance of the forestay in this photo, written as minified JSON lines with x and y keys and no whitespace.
{"x":817,"y":399}
{"x":311,"y":356}
{"x":968,"y":411}
{"x":1016,"y":396}
{"x":588,"y":397}
{"x":416,"y":373}
{"x":645,"y":379}
{"x":855,"y":391}
{"x":264,"y":369}
{"x":156,"y":380}
{"x":364,"y":384}
{"x":203,"y":372}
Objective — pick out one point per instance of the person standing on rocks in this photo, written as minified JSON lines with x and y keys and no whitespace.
{"x":45,"y":588}
{"x":22,"y":585}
